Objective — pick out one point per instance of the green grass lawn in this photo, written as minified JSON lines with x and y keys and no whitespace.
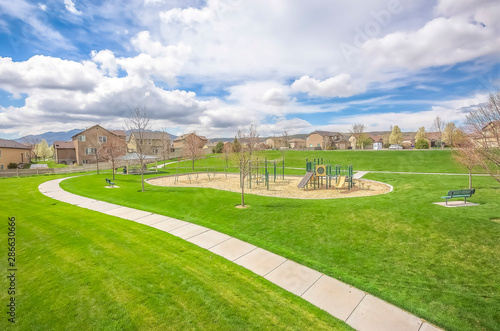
{"x":438,"y":263}
{"x":428,"y":161}
{"x":50,"y":164}
{"x":82,"y":270}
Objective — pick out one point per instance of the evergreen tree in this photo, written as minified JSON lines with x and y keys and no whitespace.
{"x":219,"y":147}
{"x":236,"y":145}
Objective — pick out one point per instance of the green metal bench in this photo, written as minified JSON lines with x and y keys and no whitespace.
{"x":459,"y":194}
{"x":110,"y":183}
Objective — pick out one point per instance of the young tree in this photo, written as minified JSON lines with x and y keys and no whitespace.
{"x":165,"y":145}
{"x":466,"y":154}
{"x":483,"y":125}
{"x":438,"y":126}
{"x":112,"y":151}
{"x":139,"y":123}
{"x":396,"y":137}
{"x":250,"y":141}
{"x":286,"y":139}
{"x":421,"y":141}
{"x":96,"y":144}
{"x":226,"y":150}
{"x":192,"y":148}
{"x":449,"y":134}
{"x":42,"y":150}
{"x":357,"y":130}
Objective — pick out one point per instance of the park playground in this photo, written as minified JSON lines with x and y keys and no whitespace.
{"x":321,"y":181}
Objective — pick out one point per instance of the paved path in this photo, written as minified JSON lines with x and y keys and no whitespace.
{"x":358,"y":309}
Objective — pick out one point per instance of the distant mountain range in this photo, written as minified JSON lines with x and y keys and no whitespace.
{"x":50,"y":136}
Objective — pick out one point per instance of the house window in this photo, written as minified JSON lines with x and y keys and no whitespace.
{"x":85,"y":162}
{"x":81,"y":138}
{"x":0,"y":153}
{"x":1,"y":166}
{"x":149,"y":142}
{"x":90,"y":150}
{"x":103,"y":139}
{"x":156,"y":151}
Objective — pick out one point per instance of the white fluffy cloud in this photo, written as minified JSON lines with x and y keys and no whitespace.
{"x":262,"y":54}
{"x":338,"y":86}
{"x":70,"y":6}
{"x":442,"y":41}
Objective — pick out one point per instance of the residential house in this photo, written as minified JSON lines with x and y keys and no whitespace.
{"x":180,"y":141}
{"x":490,"y":135}
{"x":327,"y":140}
{"x":276,"y":142}
{"x":13,"y":152}
{"x":65,"y":152}
{"x":95,"y":137}
{"x":367,"y":141}
{"x":155,"y":141}
{"x":297,"y":143}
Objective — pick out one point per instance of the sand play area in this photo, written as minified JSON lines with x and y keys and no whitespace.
{"x":286,"y":188}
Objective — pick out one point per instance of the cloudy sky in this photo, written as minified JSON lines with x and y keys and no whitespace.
{"x":218,"y":65}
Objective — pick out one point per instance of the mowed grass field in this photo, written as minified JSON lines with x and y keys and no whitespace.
{"x":82,"y":270}
{"x":438,"y":263}
{"x":428,"y":161}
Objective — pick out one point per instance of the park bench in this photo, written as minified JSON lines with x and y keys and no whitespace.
{"x":459,"y":194}
{"x":110,"y":183}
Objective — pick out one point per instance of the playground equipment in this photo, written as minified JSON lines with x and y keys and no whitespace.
{"x":259,"y":172}
{"x":320,"y":175}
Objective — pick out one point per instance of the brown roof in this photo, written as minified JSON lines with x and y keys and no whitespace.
{"x":63,"y":144}
{"x":184,"y":136}
{"x":119,"y":133}
{"x":4,"y":143}
{"x":325,"y":133}
{"x":110,"y":131}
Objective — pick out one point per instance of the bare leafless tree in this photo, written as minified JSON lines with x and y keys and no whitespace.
{"x":113,"y":149}
{"x":227,"y":152}
{"x":438,"y":126}
{"x":192,"y":149}
{"x":465,"y":153}
{"x":165,"y":145}
{"x":286,"y":139}
{"x":96,"y":145}
{"x":357,"y":130}
{"x":139,"y":123}
{"x":249,"y":140}
{"x":483,"y":125}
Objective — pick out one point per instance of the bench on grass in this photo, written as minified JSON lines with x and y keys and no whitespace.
{"x":110,"y":183}
{"x":459,"y":194}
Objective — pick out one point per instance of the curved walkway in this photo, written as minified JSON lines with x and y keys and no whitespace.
{"x":358,"y":309}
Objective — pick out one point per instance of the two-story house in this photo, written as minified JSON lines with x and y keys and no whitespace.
{"x":13,"y":152}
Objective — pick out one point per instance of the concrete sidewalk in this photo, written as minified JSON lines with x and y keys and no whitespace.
{"x":358,"y":309}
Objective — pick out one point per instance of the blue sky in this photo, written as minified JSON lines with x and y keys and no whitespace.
{"x":216,"y":66}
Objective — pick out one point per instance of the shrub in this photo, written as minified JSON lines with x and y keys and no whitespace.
{"x":218,"y":148}
{"x":12,"y":165}
{"x":422,"y":144}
